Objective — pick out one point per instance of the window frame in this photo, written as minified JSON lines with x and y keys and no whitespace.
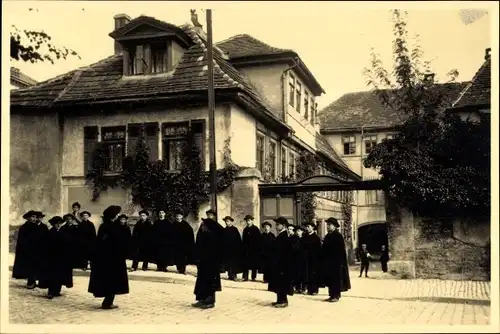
{"x":298,"y":88}
{"x":291,"y":90}
{"x":370,"y":141}
{"x":292,"y":166}
{"x":389,"y":136}
{"x":313,"y":109}
{"x":284,"y":160}
{"x":149,"y":49}
{"x":371,"y":197}
{"x":274,"y":170}
{"x":165,"y":139}
{"x":260,"y":152}
{"x":306,"y":105}
{"x":107,"y":143}
{"x":351,"y":149}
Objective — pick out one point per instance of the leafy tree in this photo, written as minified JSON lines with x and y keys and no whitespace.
{"x":436,"y":164}
{"x":307,"y":165}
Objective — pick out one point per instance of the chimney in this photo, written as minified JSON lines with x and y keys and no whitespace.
{"x":198,"y":27}
{"x":120,"y":21}
{"x":487,"y":55}
{"x":429,"y":78}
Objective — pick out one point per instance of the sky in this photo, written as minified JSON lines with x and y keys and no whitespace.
{"x":332,"y":38}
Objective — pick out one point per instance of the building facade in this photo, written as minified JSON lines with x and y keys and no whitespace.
{"x":19,"y":79}
{"x":266,"y":110}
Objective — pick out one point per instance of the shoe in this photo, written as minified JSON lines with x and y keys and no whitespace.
{"x":57,"y":295}
{"x":49,"y":296}
{"x":109,"y":307}
{"x":333,"y":300}
{"x":281,"y":305}
{"x":366,"y":276}
{"x":197,"y":304}
{"x":274,"y":303}
{"x":328,"y":299}
{"x":359,"y":276}
{"x":144,"y":269}
{"x":207,"y":306}
{"x":31,"y":286}
{"x":254,"y":279}
{"x":245,"y":280}
{"x":132,"y":270}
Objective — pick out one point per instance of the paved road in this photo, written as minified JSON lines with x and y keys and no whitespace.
{"x":165,"y":298}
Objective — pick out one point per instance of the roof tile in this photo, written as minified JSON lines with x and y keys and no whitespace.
{"x":478,"y":92}
{"x":247,"y":46}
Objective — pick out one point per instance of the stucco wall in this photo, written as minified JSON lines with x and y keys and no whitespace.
{"x":35,"y":175}
{"x":243,"y":132}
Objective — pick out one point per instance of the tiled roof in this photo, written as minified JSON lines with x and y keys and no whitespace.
{"x":478,"y":91}
{"x":354,"y":110}
{"x":18,"y":76}
{"x":324,"y":147}
{"x":244,"y":45}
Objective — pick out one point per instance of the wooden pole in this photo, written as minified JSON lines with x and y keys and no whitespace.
{"x":211,"y":111}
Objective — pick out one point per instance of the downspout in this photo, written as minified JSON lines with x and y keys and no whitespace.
{"x":296,"y":63}
{"x":357,"y":191}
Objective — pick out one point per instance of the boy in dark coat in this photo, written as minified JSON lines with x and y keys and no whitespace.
{"x":109,"y":269}
{"x":299,"y":260}
{"x":163,"y":238}
{"x":58,"y":265}
{"x":141,"y":239}
{"x":30,"y":247}
{"x":384,"y":258}
{"x":209,"y":242}
{"x":183,"y":243}
{"x":280,"y":279}
{"x":336,"y":270}
{"x":251,"y":248}
{"x":89,"y":235}
{"x":364,"y":257}
{"x":312,"y":247}
{"x":127,"y":234}
{"x":78,"y":254}
{"x":232,"y":249}
{"x":267,"y":241}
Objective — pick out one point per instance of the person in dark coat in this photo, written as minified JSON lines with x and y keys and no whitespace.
{"x":209,"y":243}
{"x":127,"y":234}
{"x":184,"y":246}
{"x":58,"y":265}
{"x":30,"y":247}
{"x":78,"y":254}
{"x":251,"y":248}
{"x":76,"y":207}
{"x":88,"y":234}
{"x":232,"y":249}
{"x":336,"y":269}
{"x":384,"y":258}
{"x":108,"y":276}
{"x":142,"y":239}
{"x":299,"y":260}
{"x":280,"y":278}
{"x":312,"y":247}
{"x":163,"y":238}
{"x":364,"y":257}
{"x":267,"y":241}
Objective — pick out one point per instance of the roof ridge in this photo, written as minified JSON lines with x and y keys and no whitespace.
{"x":253,"y":38}
{"x":471,"y":82}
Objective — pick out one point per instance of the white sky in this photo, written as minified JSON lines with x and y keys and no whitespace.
{"x":333,"y":39}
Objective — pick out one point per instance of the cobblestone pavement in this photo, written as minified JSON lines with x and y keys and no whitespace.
{"x":165,"y":298}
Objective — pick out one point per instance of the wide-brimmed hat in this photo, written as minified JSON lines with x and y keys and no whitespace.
{"x":55,"y":220}
{"x":85,"y":212}
{"x":333,"y":221}
{"x":143,"y":211}
{"x":266,"y":223}
{"x":76,"y":204}
{"x":39,"y":214}
{"x":29,"y":214}
{"x":228,"y":218}
{"x":122,"y":216}
{"x":111,"y":211}
{"x":310,"y":224}
{"x":281,"y":220}
{"x":68,"y":215}
{"x":210,"y":211}
{"x":298,"y":227}
{"x":248,"y":217}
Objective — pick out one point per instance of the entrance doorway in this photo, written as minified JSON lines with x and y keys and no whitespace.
{"x":374,"y":235}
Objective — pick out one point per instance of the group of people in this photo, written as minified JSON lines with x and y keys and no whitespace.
{"x":295,"y":260}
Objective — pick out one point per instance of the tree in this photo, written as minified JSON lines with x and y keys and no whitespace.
{"x":436,"y":163}
{"x":36,"y":46}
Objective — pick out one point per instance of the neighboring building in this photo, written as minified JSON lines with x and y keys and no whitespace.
{"x":353,"y":125}
{"x":474,"y":102}
{"x":265,"y":103}
{"x":20,"y":80}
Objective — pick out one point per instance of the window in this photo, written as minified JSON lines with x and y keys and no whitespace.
{"x":148,"y":58}
{"x":314,"y":107}
{"x":150,"y":135}
{"x":389,"y":136}
{"x":90,"y":141}
{"x":299,"y":96}
{"x":271,"y":156}
{"x":283,"y":162}
{"x":198,"y":133}
{"x":260,"y":153}
{"x":291,"y":164}
{"x":306,"y":105}
{"x":371,"y":197}
{"x":175,"y":137}
{"x":113,"y":139}
{"x":291,"y":84}
{"x":370,"y":143}
{"x":159,"y":57}
{"x":349,"y":143}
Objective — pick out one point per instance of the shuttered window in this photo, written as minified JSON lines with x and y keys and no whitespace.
{"x":151,"y":137}
{"x":198,"y":132}
{"x":90,"y":142}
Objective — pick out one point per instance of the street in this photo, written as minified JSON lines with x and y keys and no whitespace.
{"x":165,"y":298}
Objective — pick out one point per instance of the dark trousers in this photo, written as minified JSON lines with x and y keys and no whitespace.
{"x":364,"y":267}
{"x":254,"y":273}
{"x":31,"y":281}
{"x":266,"y":276}
{"x":299,"y":286}
{"x":384,"y":266}
{"x":181,"y":268}
{"x":334,"y":292}
{"x":281,"y":297}
{"x":135,"y":264}
{"x":161,"y":266}
{"x":108,"y":300}
{"x":55,"y":289}
{"x":206,"y":299}
{"x":231,"y":273}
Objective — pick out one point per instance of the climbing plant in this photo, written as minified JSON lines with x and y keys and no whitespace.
{"x":307,"y":165}
{"x":346,"y":208}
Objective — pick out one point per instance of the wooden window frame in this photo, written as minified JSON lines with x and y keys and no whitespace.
{"x":291,"y":90}
{"x":112,"y":142}
{"x":313,"y":107}
{"x":369,"y":197}
{"x":351,"y":142}
{"x":166,"y":139}
{"x":260,"y":165}
{"x":306,"y":105}
{"x":369,"y":141}
{"x":274,"y":170}
{"x":141,"y":58}
{"x":298,"y":88}
{"x":292,"y":168}
{"x":284,"y":160}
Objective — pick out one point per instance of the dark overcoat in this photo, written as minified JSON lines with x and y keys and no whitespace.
{"x":266,"y":246}
{"x":89,"y":236}
{"x":163,"y":240}
{"x":312,"y":247}
{"x":281,"y":274}
{"x":299,"y":260}
{"x":209,"y":239}
{"x":335,"y":265}
{"x":109,"y":268}
{"x":232,"y":249}
{"x":384,"y":257}
{"x":79,"y":250}
{"x":184,"y":246}
{"x":58,"y":264}
{"x":142,"y":238}
{"x":30,"y":247}
{"x":251,"y":247}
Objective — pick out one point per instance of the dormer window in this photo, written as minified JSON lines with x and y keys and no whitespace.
{"x":148,"y":58}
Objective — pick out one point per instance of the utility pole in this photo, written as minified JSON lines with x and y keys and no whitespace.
{"x":211,"y":111}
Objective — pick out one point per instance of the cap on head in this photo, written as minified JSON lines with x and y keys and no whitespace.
{"x":266,"y":223}
{"x":122,"y":216}
{"x":248,"y":217}
{"x":228,"y":218}
{"x":281,"y":221}
{"x":332,"y":221}
{"x":143,"y":212}
{"x":85,"y":213}
{"x":210,"y":212}
{"x":69,"y":216}
{"x":55,"y":220}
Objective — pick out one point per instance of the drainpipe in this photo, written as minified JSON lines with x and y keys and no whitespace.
{"x":357,"y":191}
{"x":296,"y":63}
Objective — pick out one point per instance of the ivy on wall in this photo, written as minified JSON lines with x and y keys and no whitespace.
{"x":153,"y":187}
{"x":307,"y":165}
{"x":346,"y":208}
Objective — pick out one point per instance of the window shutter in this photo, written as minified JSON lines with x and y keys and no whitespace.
{"x":198,"y":130}
{"x":133,"y":138}
{"x":147,"y":59}
{"x":152,"y":140}
{"x":139,"y":59}
{"x":126,"y":62}
{"x":90,"y":136}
